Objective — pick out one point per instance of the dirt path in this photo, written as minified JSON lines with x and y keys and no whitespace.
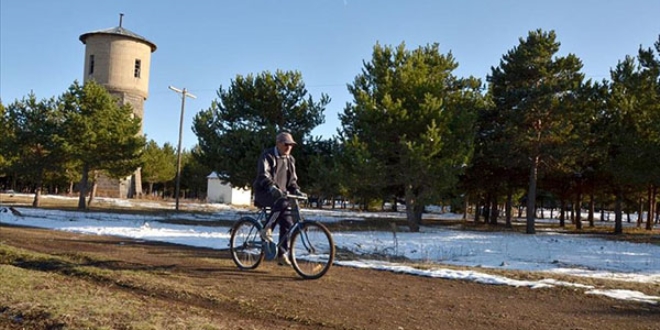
{"x":272,"y":297}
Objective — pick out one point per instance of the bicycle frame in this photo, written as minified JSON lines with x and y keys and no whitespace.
{"x":311,"y":247}
{"x":295,"y":212}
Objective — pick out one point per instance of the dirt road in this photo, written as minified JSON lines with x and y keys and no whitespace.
{"x":273,"y":297}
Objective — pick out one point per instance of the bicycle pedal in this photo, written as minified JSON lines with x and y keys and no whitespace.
{"x":317,"y":268}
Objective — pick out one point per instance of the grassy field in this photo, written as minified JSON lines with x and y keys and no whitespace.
{"x":58,"y":280}
{"x":84,"y":290}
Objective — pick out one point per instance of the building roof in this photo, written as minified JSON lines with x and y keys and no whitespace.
{"x":121,"y":32}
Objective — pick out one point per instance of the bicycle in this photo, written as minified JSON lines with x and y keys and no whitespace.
{"x":311,"y":246}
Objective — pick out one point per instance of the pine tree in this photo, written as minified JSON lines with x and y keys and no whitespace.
{"x":159,"y":164}
{"x":35,"y":140}
{"x":246,"y":117}
{"x":630,"y":125}
{"x":413,"y":119}
{"x":532,"y":89}
{"x":4,"y":139}
{"x":325,"y":168}
{"x":102,"y":134}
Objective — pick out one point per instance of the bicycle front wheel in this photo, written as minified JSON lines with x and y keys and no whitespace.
{"x":312,"y":250}
{"x":245,"y":243}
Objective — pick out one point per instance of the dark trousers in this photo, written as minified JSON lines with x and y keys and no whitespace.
{"x":285,"y":220}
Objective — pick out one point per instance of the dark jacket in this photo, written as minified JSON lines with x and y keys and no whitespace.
{"x":266,"y":172}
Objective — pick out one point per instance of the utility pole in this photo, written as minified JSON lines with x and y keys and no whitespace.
{"x":184,"y":93}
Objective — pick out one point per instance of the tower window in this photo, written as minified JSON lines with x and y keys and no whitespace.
{"x":136,"y":71}
{"x":91,"y":64}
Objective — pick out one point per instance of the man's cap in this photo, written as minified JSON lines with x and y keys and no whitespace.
{"x":285,"y":138}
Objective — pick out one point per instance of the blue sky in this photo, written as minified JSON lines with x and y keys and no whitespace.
{"x":205,"y":44}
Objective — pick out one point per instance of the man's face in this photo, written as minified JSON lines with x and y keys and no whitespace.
{"x":284,"y":148}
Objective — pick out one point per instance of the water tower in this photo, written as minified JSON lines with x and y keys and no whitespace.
{"x":119,"y":60}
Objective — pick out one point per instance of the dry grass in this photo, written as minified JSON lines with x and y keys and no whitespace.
{"x":75,"y":290}
{"x":42,"y":291}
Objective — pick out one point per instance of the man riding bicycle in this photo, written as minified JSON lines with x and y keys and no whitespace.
{"x":276,"y":175}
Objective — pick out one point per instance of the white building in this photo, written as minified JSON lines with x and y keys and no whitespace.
{"x":219,"y":191}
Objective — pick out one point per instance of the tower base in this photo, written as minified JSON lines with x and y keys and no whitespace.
{"x":128,"y":187}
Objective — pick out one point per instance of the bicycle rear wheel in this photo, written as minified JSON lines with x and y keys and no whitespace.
{"x":312,"y":250}
{"x":245,"y":243}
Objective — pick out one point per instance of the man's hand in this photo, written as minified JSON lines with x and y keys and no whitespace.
{"x":276,"y":193}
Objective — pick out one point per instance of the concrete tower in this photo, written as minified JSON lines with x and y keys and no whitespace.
{"x":120,"y":60}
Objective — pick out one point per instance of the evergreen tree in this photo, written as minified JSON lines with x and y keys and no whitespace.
{"x":362,"y":174}
{"x":102,"y":134}
{"x":194,"y":175}
{"x":5,"y":140}
{"x":649,"y":119}
{"x":35,"y":140}
{"x":495,"y":167}
{"x":324,"y":169}
{"x":246,"y":117}
{"x":159,"y":164}
{"x":532,"y":88}
{"x":630,"y":124}
{"x":413,"y":120}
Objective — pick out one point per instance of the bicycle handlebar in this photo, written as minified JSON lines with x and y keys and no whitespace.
{"x":294,"y":196}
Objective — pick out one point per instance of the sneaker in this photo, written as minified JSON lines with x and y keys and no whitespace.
{"x":266,"y":235}
{"x":283,"y":260}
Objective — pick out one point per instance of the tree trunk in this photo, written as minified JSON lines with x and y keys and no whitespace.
{"x":37,"y":192}
{"x":414,"y":216}
{"x":578,"y":210}
{"x":592,"y":207}
{"x":37,"y":196}
{"x":92,"y":194}
{"x":618,"y":214}
{"x":649,"y":198}
{"x":413,"y":212}
{"x":531,"y":196}
{"x":82,"y":205}
{"x":509,"y":202}
{"x":486,"y":209}
{"x":465,"y":207}
{"x":493,"y":209}
{"x":653,"y":194}
{"x":562,"y":213}
{"x":419,"y":210}
{"x":640,"y":211}
{"x":476,"y":211}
